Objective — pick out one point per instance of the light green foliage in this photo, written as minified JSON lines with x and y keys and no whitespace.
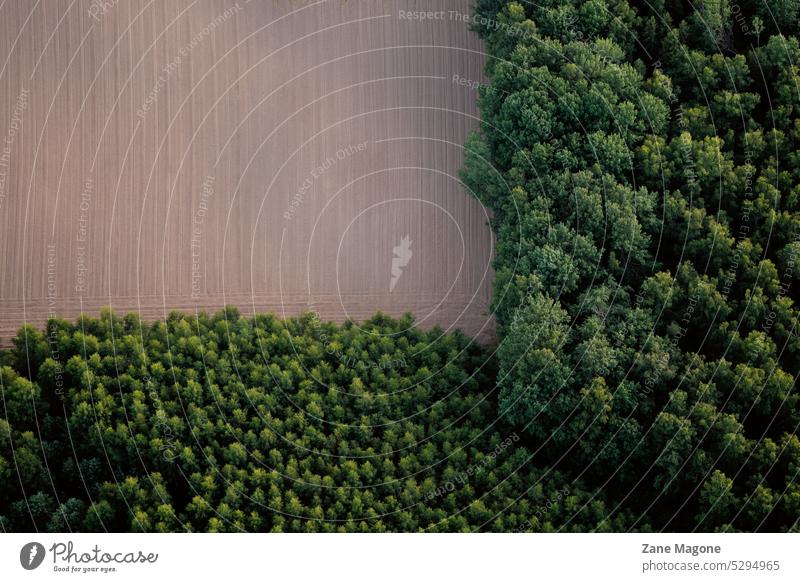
{"x":230,"y":424}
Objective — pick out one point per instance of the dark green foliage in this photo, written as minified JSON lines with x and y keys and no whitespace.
{"x":641,"y":164}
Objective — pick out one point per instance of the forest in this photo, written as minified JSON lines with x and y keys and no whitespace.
{"x":223,"y":424}
{"x":640,"y":160}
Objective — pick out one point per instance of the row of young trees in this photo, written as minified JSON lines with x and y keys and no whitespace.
{"x":231,"y":424}
{"x":640,"y":159}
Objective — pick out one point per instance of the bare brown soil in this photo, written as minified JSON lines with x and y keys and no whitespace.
{"x":161,"y":155}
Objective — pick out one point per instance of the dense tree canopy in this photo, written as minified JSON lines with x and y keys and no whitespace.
{"x":229,"y":424}
{"x":641,"y":163}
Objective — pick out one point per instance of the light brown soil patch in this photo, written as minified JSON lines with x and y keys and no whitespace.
{"x":191,"y":154}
